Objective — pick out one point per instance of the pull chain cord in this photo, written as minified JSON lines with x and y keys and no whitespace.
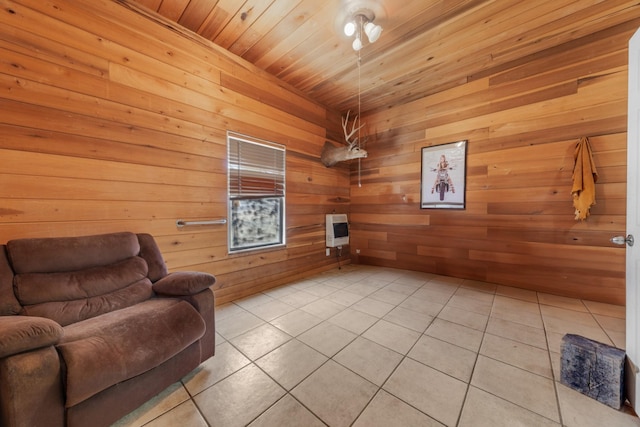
{"x":359,"y":118}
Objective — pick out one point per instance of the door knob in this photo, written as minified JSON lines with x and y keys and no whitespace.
{"x":621,"y":240}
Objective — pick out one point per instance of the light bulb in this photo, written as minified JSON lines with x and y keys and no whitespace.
{"x":372,"y":31}
{"x":357,"y":44}
{"x":349,"y":28}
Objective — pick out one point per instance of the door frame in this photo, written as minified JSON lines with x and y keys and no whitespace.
{"x":632,"y":274}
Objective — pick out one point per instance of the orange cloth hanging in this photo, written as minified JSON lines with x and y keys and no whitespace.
{"x":584,"y":179}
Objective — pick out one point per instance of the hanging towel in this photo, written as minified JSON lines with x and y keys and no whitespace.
{"x":584,"y":179}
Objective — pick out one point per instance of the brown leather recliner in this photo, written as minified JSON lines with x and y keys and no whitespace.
{"x":92,"y":327}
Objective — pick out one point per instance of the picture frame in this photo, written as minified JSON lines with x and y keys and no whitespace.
{"x":443,"y":176}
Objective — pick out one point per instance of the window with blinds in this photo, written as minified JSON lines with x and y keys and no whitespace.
{"x":256,"y":193}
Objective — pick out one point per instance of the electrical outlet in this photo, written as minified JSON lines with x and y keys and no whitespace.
{"x":357,"y":251}
{"x":328,"y":252}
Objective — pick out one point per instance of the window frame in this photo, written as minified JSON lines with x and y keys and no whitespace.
{"x":257,"y":197}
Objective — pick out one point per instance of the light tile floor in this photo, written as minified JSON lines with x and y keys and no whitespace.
{"x":367,"y":346}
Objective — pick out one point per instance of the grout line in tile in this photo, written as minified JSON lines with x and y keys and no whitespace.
{"x":549,"y":353}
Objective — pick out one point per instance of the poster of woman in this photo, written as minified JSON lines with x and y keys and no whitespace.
{"x":443,"y":176}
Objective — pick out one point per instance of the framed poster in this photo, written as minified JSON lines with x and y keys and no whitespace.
{"x":444,"y":176}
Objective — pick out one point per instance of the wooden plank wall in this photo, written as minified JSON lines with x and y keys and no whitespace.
{"x":111,"y":121}
{"x":522,"y":122}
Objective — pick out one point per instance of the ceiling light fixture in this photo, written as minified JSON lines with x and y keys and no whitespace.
{"x":362,"y":21}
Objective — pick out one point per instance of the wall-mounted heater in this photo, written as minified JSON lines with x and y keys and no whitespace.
{"x":337,"y":230}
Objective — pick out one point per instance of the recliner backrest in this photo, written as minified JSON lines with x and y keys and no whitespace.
{"x":69,"y":279}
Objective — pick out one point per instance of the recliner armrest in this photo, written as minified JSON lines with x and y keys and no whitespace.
{"x":182,"y":283}
{"x":23,"y":333}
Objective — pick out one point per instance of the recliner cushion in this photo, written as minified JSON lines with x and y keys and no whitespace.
{"x":35,"y":288}
{"x":181,"y":283}
{"x":68,"y":312}
{"x":150,"y":252}
{"x":55,"y":254}
{"x":8,"y":303}
{"x":20,"y":333}
{"x":68,"y":297}
{"x":105,"y":350}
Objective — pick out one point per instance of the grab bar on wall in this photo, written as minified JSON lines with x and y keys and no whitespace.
{"x":182,"y":223}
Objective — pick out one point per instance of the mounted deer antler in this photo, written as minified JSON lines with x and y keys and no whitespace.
{"x":345,"y":121}
{"x":332,"y":155}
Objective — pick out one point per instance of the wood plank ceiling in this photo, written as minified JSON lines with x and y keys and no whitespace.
{"x":426,"y":46}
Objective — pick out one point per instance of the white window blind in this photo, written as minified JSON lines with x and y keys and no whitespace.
{"x":256,"y":169}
